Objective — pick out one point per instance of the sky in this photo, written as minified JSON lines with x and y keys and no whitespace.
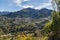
{"x":15,"y":5}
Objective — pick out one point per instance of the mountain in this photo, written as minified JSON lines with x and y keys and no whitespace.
{"x":4,"y":13}
{"x":30,"y":12}
{"x":45,"y":12}
{"x":25,"y":20}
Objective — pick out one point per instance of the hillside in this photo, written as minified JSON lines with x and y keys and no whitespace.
{"x":30,"y":12}
{"x":28,"y":22}
{"x":4,"y":13}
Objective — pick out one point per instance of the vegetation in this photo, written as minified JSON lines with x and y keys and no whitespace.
{"x":13,"y":29}
{"x":52,"y":28}
{"x":27,"y":28}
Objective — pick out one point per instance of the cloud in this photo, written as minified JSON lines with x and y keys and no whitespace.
{"x":49,"y":1}
{"x":26,"y":0}
{"x":19,"y":2}
{"x":39,"y":6}
{"x":27,"y":6}
{"x":44,"y":5}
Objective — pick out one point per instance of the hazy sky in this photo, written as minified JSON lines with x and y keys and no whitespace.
{"x":15,"y":5}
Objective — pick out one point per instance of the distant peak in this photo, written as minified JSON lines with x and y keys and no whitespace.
{"x":44,"y":9}
{"x":29,"y":9}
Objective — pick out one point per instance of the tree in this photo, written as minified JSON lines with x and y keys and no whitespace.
{"x":56,"y":5}
{"x":53,"y":28}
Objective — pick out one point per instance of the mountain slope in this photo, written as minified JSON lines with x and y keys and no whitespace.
{"x":29,"y":12}
{"x":4,"y":13}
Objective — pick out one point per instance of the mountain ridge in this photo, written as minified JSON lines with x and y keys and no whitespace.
{"x":30,"y":12}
